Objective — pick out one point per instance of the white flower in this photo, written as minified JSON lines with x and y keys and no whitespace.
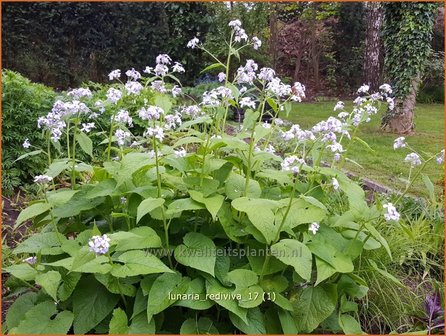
{"x":243,"y":89}
{"x":339,"y":106}
{"x":177,"y":67}
{"x":440,"y":158}
{"x":193,"y":43}
{"x":298,"y":91}
{"x":180,"y":153}
{"x":335,"y":183}
{"x":413,"y":159}
{"x":121,"y":136}
{"x":163,"y":59}
{"x":391,"y":103}
{"x":99,"y":244}
{"x":133,"y":74}
{"x":172,"y":121}
{"x":156,"y":131}
{"x":26,"y":143}
{"x":266,"y":125}
{"x":30,"y":260}
{"x":391,"y":214}
{"x":87,"y":127}
{"x":148,"y":70}
{"x":158,"y":86}
{"x":113,"y":95}
{"x":176,"y":91}
{"x":114,"y":74}
{"x":123,"y":117}
{"x":256,"y":42}
{"x":123,"y":200}
{"x":266,"y":74}
{"x":278,"y":122}
{"x":364,"y":89}
{"x":133,"y":87}
{"x":221,"y":76}
{"x":161,"y":70}
{"x":235,"y":24}
{"x":42,"y":179}
{"x":386,"y":88}
{"x":292,"y":163}
{"x":247,"y":101}
{"x":79,"y":93}
{"x":343,"y":115}
{"x":192,"y":111}
{"x":314,"y":227}
{"x":151,"y":113}
{"x":399,"y":143}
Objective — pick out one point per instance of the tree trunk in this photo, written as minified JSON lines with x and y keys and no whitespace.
{"x":372,"y":61}
{"x":400,"y":120}
{"x":273,"y":31}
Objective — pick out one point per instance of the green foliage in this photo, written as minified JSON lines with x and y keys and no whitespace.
{"x":23,"y":103}
{"x":142,"y":236}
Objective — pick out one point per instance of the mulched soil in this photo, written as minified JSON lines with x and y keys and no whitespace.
{"x":11,"y":208}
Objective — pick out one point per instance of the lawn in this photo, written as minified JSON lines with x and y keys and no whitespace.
{"x":385,"y":165}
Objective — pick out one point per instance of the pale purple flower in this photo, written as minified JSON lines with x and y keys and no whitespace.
{"x":413,"y":159}
{"x":115,"y":74}
{"x":156,"y":131}
{"x":133,"y":74}
{"x":339,"y":106}
{"x":30,"y":260}
{"x":399,"y":143}
{"x":151,"y":113}
{"x":79,"y":93}
{"x":161,"y":70}
{"x":26,"y":144}
{"x":440,"y":158}
{"x":386,"y":88}
{"x":335,"y":183}
{"x":133,"y":87}
{"x":247,"y":102}
{"x":314,"y":227}
{"x":176,"y":91}
{"x":121,"y":136}
{"x":193,"y":43}
{"x":87,"y":127}
{"x":221,"y":77}
{"x":158,"y":85}
{"x":391,"y":213}
{"x":180,"y":153}
{"x":163,"y":59}
{"x":364,"y":89}
{"x":42,"y":179}
{"x":256,"y":42}
{"x":124,"y":117}
{"x":292,"y":163}
{"x":113,"y":95}
{"x":99,"y":244}
{"x":178,"y":67}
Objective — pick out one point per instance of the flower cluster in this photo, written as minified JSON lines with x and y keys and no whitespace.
{"x":151,"y":113}
{"x":99,"y":244}
{"x":314,"y":227}
{"x":399,"y":143}
{"x":292,"y":163}
{"x":391,"y":214}
{"x":413,"y":159}
{"x":42,"y":179}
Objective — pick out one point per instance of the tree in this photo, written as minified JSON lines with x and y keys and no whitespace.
{"x":372,"y":60}
{"x":407,"y":36}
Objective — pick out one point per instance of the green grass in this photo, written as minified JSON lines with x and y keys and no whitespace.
{"x":385,"y":165}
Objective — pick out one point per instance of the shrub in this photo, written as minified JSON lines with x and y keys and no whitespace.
{"x":186,"y":229}
{"x":23,"y":103}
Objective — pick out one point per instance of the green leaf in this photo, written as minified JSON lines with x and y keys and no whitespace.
{"x":117,"y":285}
{"x":49,"y":281}
{"x":85,"y":142}
{"x":212,"y":66}
{"x":197,"y":252}
{"x":255,"y":322}
{"x":384,"y":273}
{"x":146,"y":206}
{"x":138,"y":263}
{"x":138,"y":238}
{"x":203,"y":326}
{"x":375,"y":234}
{"x":314,"y":305}
{"x":38,"y":320}
{"x":163,"y":101}
{"x":23,"y":271}
{"x":140,"y":325}
{"x":183,"y":204}
{"x":101,"y":189}
{"x":349,"y":325}
{"x":21,"y":157}
{"x":287,"y":323}
{"x":60,"y":196}
{"x":324,"y":270}
{"x":57,"y":167}
{"x":92,"y":302}
{"x":78,"y":203}
{"x":187,"y":140}
{"x":226,"y":298}
{"x":23,"y":303}
{"x":235,"y":186}
{"x":364,"y":144}
{"x":296,"y":254}
{"x":213,"y":203}
{"x":163,"y":292}
{"x":261,"y":214}
{"x":84,"y":261}
{"x":302,"y":211}
{"x":69,"y":282}
{"x":46,"y":243}
{"x":31,"y":212}
{"x":429,"y":186}
{"x":118,"y":322}
{"x":195,"y":296}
